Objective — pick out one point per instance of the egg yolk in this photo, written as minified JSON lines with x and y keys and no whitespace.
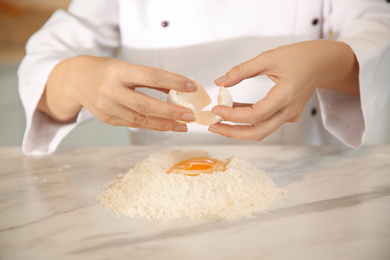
{"x":196,"y":166}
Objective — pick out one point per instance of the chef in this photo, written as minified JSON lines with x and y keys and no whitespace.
{"x":300,"y":72}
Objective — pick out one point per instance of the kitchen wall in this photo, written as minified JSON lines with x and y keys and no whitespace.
{"x":19,"y":19}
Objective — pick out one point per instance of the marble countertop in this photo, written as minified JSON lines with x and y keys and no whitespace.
{"x":337,"y":207}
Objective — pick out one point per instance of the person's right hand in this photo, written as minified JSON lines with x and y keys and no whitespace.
{"x":107,"y":88}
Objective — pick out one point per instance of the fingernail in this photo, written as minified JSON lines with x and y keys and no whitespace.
{"x":191,"y":87}
{"x":188,"y":117}
{"x":220,"y":80}
{"x":181,"y":128}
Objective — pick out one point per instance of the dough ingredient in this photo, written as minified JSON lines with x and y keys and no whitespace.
{"x":148,"y":191}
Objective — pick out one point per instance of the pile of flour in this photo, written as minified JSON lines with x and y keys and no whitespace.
{"x":147,"y":191}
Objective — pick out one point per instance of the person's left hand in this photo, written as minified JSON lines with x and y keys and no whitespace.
{"x":297,"y":70}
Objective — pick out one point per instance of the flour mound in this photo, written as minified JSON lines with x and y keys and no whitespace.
{"x":147,"y":191}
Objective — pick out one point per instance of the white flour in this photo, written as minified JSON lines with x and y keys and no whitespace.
{"x":147,"y":191}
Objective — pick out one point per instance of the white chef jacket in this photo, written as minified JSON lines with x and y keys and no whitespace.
{"x":203,"y":39}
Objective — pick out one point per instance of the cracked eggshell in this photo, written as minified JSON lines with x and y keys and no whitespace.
{"x":198,"y":100}
{"x":224,"y":97}
{"x":177,"y":98}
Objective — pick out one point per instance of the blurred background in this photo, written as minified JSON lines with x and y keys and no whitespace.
{"x":19,"y":19}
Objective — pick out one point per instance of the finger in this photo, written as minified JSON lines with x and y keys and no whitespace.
{"x":123,"y":116}
{"x":148,"y":106}
{"x":249,"y":69}
{"x":115,"y":121}
{"x":164,"y":90}
{"x":153,"y":77}
{"x":237,"y":115}
{"x":250,"y":132}
{"x":258,"y":112}
{"x":238,"y":104}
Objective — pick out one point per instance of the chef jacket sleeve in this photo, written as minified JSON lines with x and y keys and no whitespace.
{"x":365,"y":26}
{"x":86,"y":28}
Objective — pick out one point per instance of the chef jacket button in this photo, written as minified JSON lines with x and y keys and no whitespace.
{"x":388,"y":1}
{"x":315,"y":21}
{"x":165,"y":24}
{"x":314,"y":111}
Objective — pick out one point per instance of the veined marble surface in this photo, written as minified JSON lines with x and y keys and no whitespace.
{"x":337,"y":207}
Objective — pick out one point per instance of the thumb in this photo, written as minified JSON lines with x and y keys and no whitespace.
{"x":238,"y":73}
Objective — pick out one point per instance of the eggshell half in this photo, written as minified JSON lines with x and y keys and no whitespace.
{"x":198,"y":100}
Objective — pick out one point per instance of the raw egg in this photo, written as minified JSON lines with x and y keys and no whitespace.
{"x":198,"y":165}
{"x":198,"y":100}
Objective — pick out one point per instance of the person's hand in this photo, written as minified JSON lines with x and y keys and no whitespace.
{"x":107,"y":88}
{"x":297,"y":70}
